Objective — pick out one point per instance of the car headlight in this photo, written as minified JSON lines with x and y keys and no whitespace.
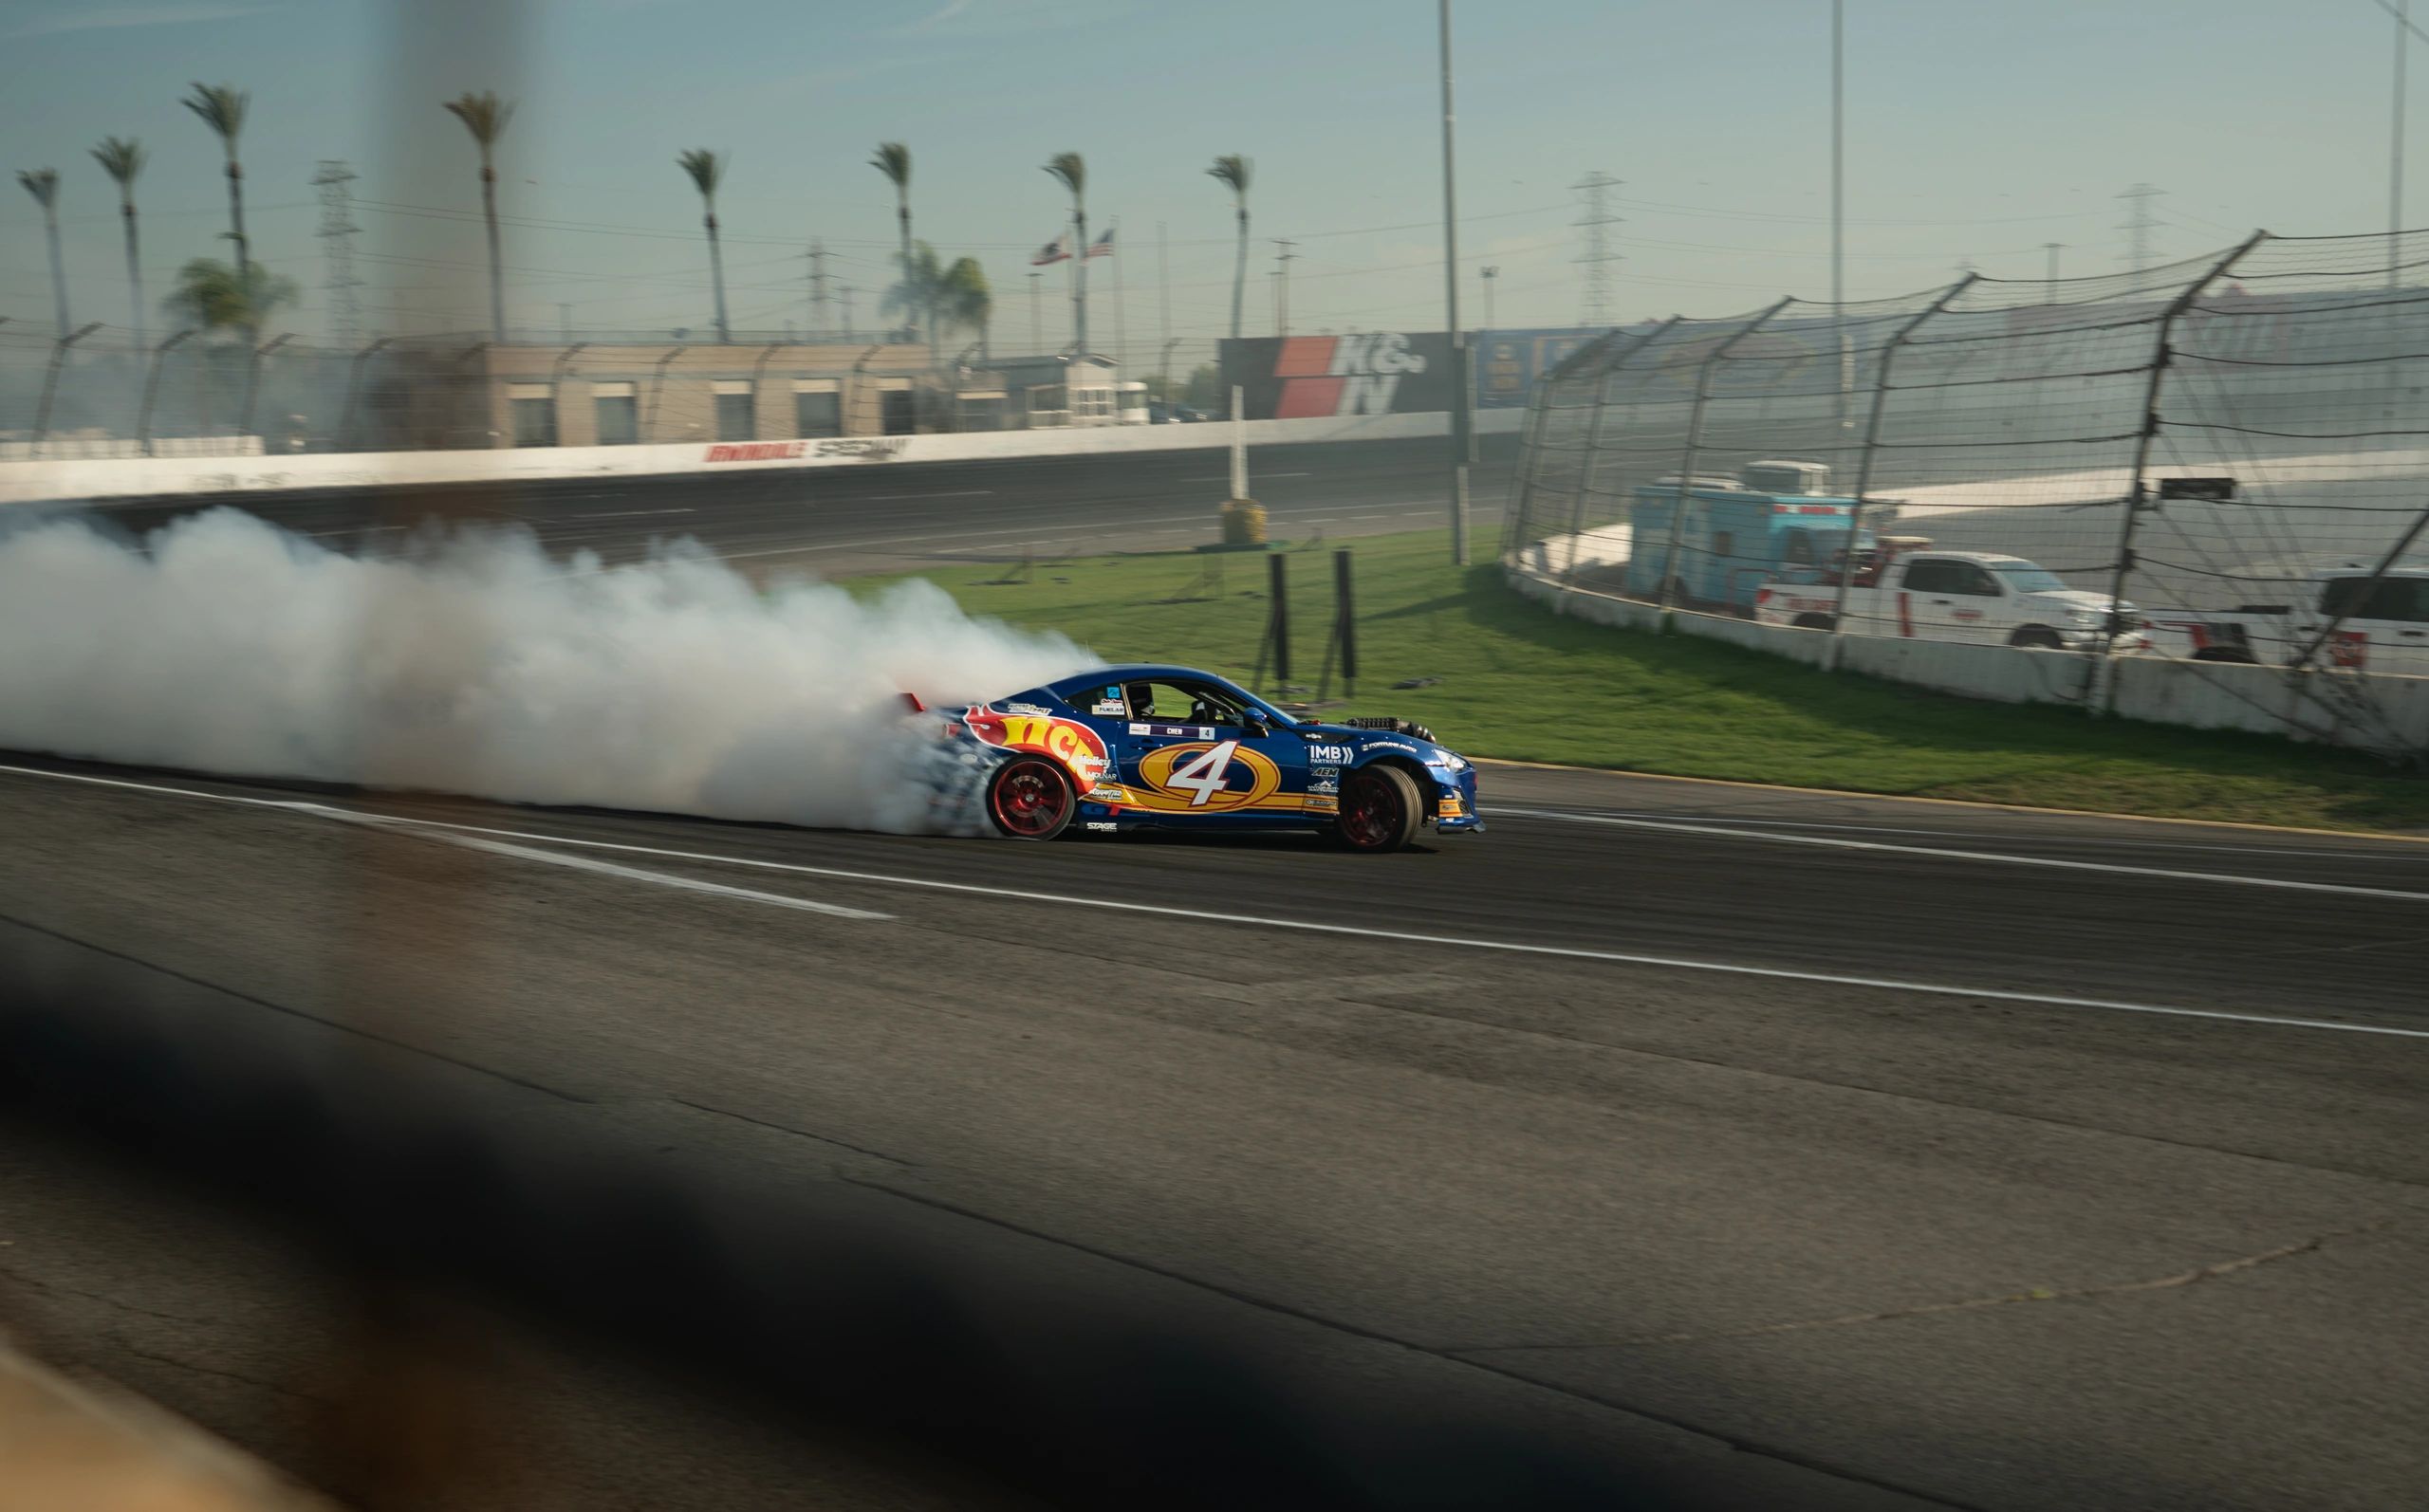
{"x":2087,"y":618}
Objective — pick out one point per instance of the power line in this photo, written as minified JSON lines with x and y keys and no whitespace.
{"x":1594,"y":293}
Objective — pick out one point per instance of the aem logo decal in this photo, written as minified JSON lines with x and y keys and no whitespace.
{"x":1196,"y":778}
{"x":1342,"y":375}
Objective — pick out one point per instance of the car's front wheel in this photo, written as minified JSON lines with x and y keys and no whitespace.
{"x":1031,"y":799}
{"x":1381,"y":810}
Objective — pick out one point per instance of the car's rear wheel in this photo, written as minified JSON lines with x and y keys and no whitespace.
{"x":1030,"y":799}
{"x":1379,"y":810}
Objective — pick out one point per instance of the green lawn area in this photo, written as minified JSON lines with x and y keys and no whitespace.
{"x":1518,"y":682}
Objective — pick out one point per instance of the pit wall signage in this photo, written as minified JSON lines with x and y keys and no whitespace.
{"x":864,"y":447}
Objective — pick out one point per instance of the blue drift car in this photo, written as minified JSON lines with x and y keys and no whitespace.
{"x":1126,"y":748}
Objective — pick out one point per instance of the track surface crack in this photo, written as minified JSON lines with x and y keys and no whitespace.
{"x":2177,"y":1280}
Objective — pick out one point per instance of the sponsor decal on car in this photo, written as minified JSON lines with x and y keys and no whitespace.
{"x":1196,"y":778}
{"x":1079,"y":748}
{"x":1175,"y":731}
{"x":1331,"y":755}
{"x":1318,"y":803}
{"x":1101,"y":827}
{"x":1448,"y":808}
{"x":1323,"y":785}
{"x":1113,"y":706}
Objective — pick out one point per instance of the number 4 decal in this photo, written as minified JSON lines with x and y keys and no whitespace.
{"x":1201,"y":776}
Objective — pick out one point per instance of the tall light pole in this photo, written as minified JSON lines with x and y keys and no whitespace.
{"x":1839,"y":203}
{"x":1451,"y":300}
{"x":2394,"y":142}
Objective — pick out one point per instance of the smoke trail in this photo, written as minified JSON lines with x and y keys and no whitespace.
{"x":471,"y":663}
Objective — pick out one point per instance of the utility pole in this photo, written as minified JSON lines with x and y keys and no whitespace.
{"x":1594,"y":300}
{"x":2138,"y":225}
{"x":817,"y":288}
{"x":846,"y":290}
{"x":1488,"y":275}
{"x":1121,"y":335}
{"x":1838,"y":218}
{"x":1451,"y":312}
{"x":1164,"y":311}
{"x":1036,"y":325}
{"x":2394,"y":142}
{"x":2053,"y":249}
{"x":337,"y":251}
{"x":1282,"y":260}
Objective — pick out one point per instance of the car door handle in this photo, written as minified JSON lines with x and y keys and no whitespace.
{"x":1940,"y":600}
{"x":2412,"y":635}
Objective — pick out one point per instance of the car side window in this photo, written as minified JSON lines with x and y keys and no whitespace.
{"x":1930,"y":574}
{"x":1973,"y":580}
{"x":1183,"y":704}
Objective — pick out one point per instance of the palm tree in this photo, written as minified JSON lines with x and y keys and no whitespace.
{"x":1072,"y":174}
{"x":212,"y":296}
{"x":920,"y":294}
{"x":222,"y":108}
{"x":485,"y":115}
{"x":708,"y":170}
{"x":1233,"y":171}
{"x":42,"y":183}
{"x":122,"y":157}
{"x":893,"y":160}
{"x":967,"y":298}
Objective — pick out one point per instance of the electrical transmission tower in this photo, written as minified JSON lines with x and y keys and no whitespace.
{"x":817,"y":289}
{"x":2139,"y":225}
{"x":1594,"y":218}
{"x":337,"y":251}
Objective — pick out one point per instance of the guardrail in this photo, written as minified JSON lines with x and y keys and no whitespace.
{"x":76,"y":479}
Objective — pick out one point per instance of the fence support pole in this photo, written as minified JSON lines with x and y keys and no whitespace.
{"x":1872,"y":443}
{"x":1695,"y":434}
{"x":353,"y":391}
{"x":658,"y":386}
{"x":2102,"y":666}
{"x":557,"y":394}
{"x":50,"y":383}
{"x":152,"y":390}
{"x":1524,"y":484}
{"x":254,"y":380}
{"x":1594,"y":439}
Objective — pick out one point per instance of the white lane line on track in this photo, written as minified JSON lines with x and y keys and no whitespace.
{"x":1307,"y":926}
{"x":475,"y":842}
{"x":958,"y":493}
{"x":1756,"y":823}
{"x":1226,"y":477}
{"x":1944,"y":853}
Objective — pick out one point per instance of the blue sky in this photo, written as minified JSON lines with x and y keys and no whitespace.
{"x":1976,"y":130}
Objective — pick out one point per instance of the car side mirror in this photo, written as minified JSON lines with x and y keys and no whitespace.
{"x":1253,"y":724}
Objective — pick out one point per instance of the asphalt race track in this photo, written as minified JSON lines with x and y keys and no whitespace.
{"x":1840,"y":1151}
{"x":889,"y":516}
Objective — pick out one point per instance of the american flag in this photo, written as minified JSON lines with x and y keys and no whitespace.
{"x":1057,"y":251}
{"x":1102,"y":245}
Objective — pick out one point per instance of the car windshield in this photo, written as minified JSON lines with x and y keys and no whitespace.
{"x":2024,"y":577}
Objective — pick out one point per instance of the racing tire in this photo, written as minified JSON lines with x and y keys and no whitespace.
{"x":1031,"y":799}
{"x":1381,"y":810}
{"x":2036,"y":638}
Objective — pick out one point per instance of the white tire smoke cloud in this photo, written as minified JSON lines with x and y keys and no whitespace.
{"x":471,"y":663}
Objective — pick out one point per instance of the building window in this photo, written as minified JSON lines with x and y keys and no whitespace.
{"x":737,"y":416}
{"x":619,"y":420}
{"x":532,"y":408}
{"x":896,"y":410}
{"x":817,"y":414}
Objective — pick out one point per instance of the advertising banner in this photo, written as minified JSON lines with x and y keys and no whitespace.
{"x":1295,"y":377}
{"x":1507,"y":363}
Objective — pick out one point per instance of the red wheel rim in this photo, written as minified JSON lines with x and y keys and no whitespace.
{"x":1031,"y":797}
{"x":1370,"y":812}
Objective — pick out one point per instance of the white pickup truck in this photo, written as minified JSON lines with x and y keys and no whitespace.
{"x":1969,"y":596}
{"x":2381,"y":627}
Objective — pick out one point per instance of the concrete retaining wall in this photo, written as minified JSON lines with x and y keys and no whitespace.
{"x":2385,"y":714}
{"x":166,"y":476}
